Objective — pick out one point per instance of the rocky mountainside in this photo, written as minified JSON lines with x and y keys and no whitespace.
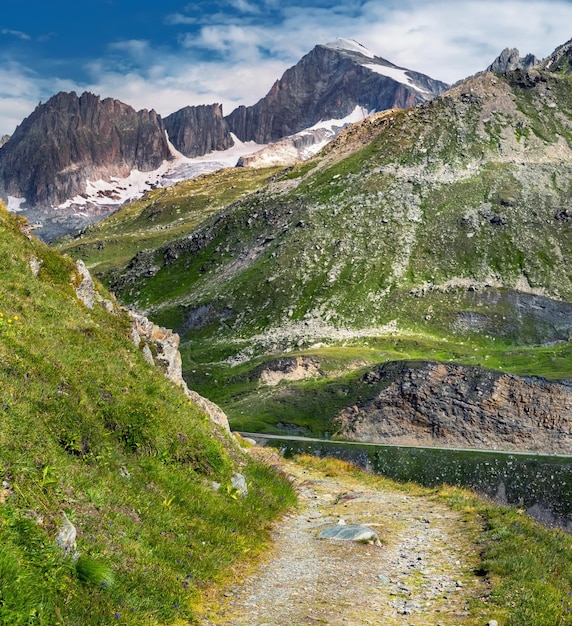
{"x":329,"y":83}
{"x":87,"y":156}
{"x":442,"y":404}
{"x":438,"y":232}
{"x":70,"y":139}
{"x":195,"y":131}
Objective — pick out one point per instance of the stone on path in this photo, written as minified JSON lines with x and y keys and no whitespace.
{"x":349,"y":532}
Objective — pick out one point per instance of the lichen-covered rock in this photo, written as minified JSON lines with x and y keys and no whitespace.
{"x":161,"y":348}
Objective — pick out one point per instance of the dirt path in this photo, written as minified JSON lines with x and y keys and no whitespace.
{"x":421,"y":575}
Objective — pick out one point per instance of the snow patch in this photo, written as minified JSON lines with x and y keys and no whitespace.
{"x":358,"y":114}
{"x":15,"y":204}
{"x":396,"y":74}
{"x":117,"y":191}
{"x":350,"y":45}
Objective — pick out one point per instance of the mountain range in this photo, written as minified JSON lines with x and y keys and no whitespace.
{"x":435,"y":233}
{"x":75,"y":159}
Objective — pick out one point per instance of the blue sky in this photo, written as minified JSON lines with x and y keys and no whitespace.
{"x":168,"y":54}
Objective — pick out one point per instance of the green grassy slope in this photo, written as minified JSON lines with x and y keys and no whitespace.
{"x":446,"y":227}
{"x":90,"y":429}
{"x":162,"y":215}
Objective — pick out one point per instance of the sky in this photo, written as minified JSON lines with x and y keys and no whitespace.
{"x":167,"y":54}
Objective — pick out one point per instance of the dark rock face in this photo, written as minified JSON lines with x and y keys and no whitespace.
{"x":434,"y":404}
{"x":510,"y":60}
{"x":69,"y":140}
{"x":328,"y":83}
{"x":198,"y":130}
{"x":560,"y":61}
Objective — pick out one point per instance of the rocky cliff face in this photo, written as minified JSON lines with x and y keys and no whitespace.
{"x":560,"y":61}
{"x":432,"y":404}
{"x":198,"y":130}
{"x":71,"y":139}
{"x":329,"y":83}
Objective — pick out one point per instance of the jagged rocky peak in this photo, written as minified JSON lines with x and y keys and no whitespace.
{"x":198,"y":130}
{"x":509,"y":60}
{"x":329,"y":83}
{"x":71,"y":139}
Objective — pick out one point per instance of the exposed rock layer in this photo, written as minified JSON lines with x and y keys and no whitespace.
{"x":436,"y":404}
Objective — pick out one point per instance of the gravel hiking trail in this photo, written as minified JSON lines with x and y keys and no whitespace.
{"x":423,"y":573}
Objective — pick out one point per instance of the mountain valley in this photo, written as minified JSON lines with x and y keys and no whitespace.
{"x":407,"y":281}
{"x":439,"y":232}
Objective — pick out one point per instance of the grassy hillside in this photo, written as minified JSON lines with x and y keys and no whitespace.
{"x":89,"y":429}
{"x":162,"y":215}
{"x":444,"y":228}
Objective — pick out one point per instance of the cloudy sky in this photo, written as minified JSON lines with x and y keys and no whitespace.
{"x":170,"y":53}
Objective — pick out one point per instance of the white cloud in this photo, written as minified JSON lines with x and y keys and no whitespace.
{"x":15,"y":33}
{"x":178,"y":18}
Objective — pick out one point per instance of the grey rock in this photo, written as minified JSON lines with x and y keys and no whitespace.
{"x":148,"y":355}
{"x":66,"y":537}
{"x":238,"y":482}
{"x":35,"y":265}
{"x":198,"y":130}
{"x":86,"y":289}
{"x":350,"y":532}
{"x":510,"y":60}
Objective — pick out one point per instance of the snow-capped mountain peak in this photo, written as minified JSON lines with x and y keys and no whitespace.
{"x":350,"y":45}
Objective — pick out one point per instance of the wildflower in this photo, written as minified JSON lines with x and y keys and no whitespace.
{"x":16,"y":318}
{"x":118,"y":615}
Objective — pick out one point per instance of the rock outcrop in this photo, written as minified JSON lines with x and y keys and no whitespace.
{"x":329,"y":83}
{"x":70,"y":139}
{"x":436,"y":404}
{"x":198,"y":130}
{"x":163,"y":346}
{"x":510,"y":60}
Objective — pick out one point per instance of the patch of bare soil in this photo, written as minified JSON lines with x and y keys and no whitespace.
{"x":422,"y":574}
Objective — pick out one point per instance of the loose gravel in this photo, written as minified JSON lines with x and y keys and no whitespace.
{"x":421,"y":575}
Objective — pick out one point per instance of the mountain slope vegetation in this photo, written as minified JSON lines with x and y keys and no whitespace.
{"x":92,"y":431}
{"x":438,"y":232}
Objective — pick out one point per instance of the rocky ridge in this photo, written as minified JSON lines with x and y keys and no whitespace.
{"x":439,"y":404}
{"x":160,"y":346}
{"x":329,"y":83}
{"x":70,"y":139}
{"x":195,"y":131}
